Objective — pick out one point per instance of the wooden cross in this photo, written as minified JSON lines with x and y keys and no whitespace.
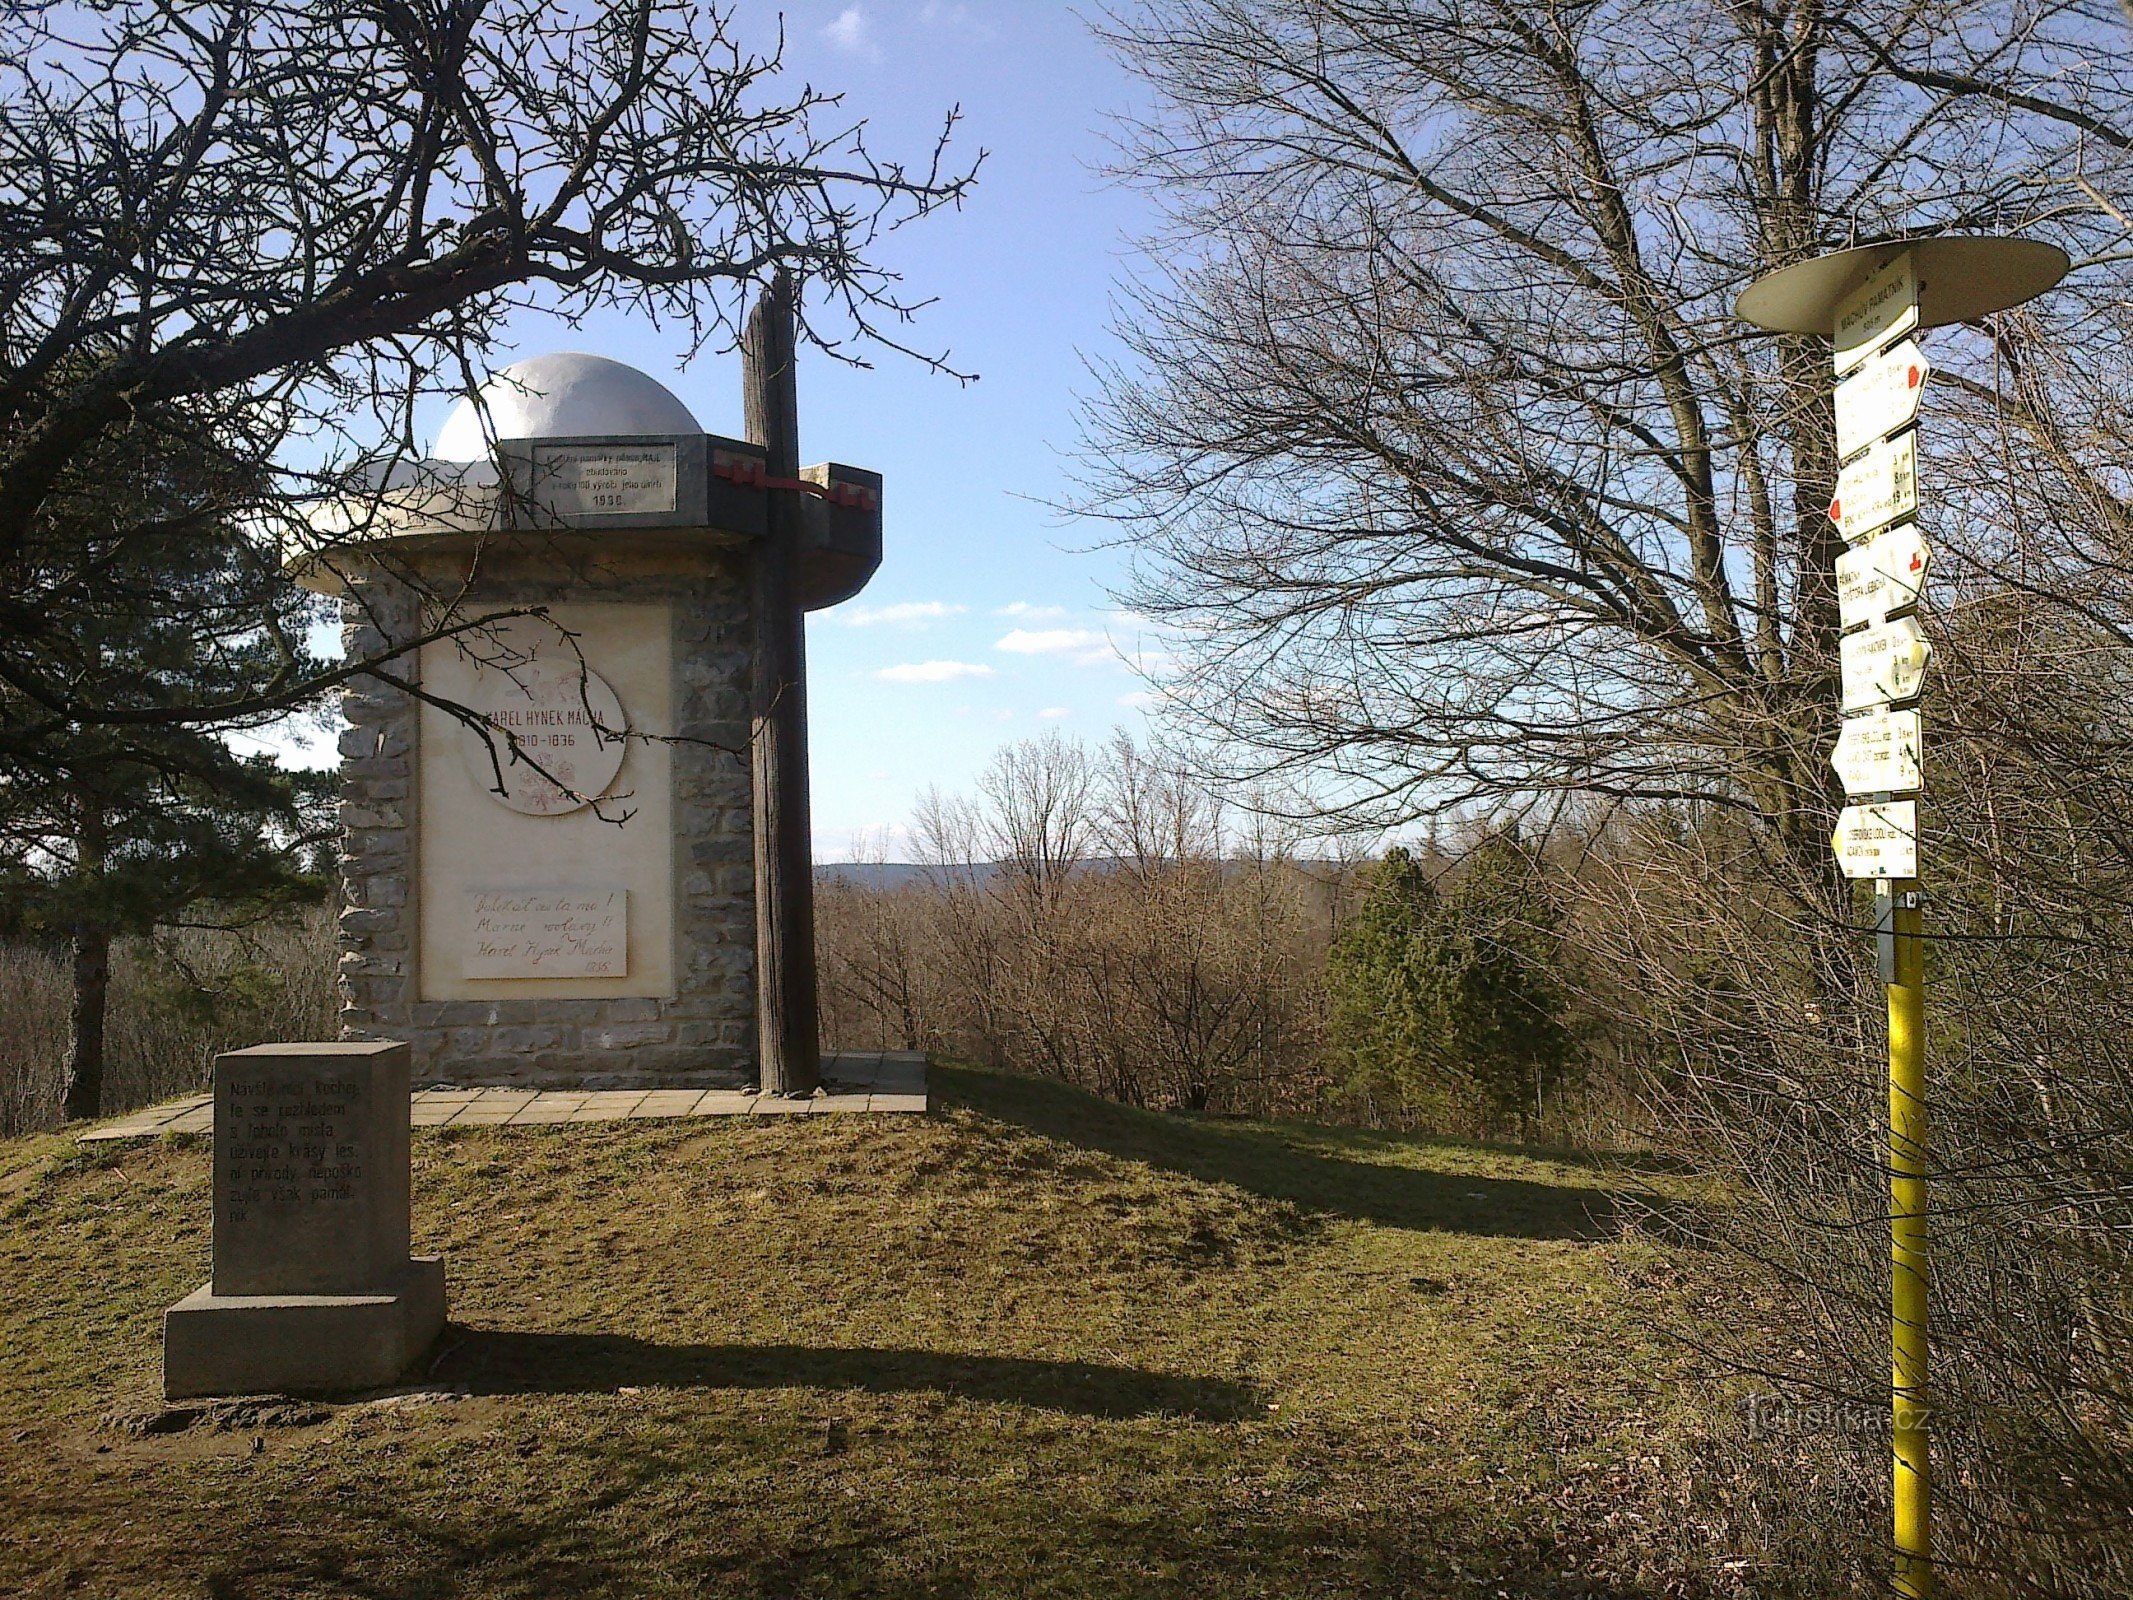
{"x":788,"y":1039}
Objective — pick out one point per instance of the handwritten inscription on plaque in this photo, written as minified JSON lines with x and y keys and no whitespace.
{"x":604,"y":480}
{"x":553,"y":739}
{"x":547,"y":933}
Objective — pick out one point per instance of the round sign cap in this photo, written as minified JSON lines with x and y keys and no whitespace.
{"x":1961,"y":277}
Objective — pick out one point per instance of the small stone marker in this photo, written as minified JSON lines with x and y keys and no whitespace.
{"x":312,"y":1288}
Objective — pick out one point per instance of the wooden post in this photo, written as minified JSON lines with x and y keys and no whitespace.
{"x":788,"y":1045}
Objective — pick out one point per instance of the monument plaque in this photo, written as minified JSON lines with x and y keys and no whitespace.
{"x":547,"y":933}
{"x":554,"y":739}
{"x":310,"y":1173}
{"x":312,"y":1287}
{"x":606,"y":479}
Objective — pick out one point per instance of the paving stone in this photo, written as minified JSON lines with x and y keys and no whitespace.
{"x":608,"y":1105}
{"x":669,"y":1102}
{"x":856,"y":1081}
{"x":538,"y":1114}
{"x":724,"y":1103}
{"x":493,"y":1107}
{"x":548,"y":1108}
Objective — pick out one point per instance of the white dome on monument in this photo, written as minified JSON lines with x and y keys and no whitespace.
{"x":562,"y":396}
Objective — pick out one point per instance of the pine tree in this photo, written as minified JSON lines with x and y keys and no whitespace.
{"x":119,"y":828}
{"x":1384,"y":1002}
{"x":1445,"y":1004}
{"x":1499,"y":942}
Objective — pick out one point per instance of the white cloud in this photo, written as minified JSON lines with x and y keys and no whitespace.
{"x":851,"y":34}
{"x":1054,"y":713}
{"x":962,"y":18}
{"x":905,"y":614}
{"x":1030,"y":613}
{"x":933,"y":671}
{"x":1078,"y":645}
{"x":1140,"y":700}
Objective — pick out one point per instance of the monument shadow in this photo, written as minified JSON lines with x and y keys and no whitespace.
{"x":486,"y":1361}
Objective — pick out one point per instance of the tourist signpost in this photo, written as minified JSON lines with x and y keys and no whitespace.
{"x":1883,"y":663}
{"x":1883,"y":575}
{"x":1878,"y":754}
{"x":1868,"y":301}
{"x":1877,"y":488}
{"x":1878,"y":840}
{"x":1880,"y":397}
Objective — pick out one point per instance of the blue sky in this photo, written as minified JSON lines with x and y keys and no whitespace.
{"x":987,"y":622}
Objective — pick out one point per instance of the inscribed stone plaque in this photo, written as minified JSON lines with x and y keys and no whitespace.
{"x":311,"y":1169}
{"x":604,"y":480}
{"x":547,"y":933}
{"x":554,"y":739}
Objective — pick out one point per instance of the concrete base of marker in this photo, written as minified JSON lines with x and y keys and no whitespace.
{"x":301,"y":1343}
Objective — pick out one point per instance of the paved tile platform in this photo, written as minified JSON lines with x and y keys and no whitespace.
{"x":852,"y":1080}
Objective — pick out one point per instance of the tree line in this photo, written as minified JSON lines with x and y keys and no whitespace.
{"x":1102,"y":916}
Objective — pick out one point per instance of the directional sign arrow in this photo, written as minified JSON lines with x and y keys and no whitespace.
{"x":1879,"y":753}
{"x":1877,"y":841}
{"x":1881,"y":396}
{"x":1884,"y":662}
{"x":1879,"y":488}
{"x":1885,"y":574}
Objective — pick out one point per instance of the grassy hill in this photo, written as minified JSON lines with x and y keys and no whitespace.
{"x":1032,"y":1344}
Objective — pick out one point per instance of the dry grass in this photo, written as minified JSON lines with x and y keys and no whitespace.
{"x":1033,"y":1345}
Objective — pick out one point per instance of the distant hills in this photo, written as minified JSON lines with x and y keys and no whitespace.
{"x":887,"y":874}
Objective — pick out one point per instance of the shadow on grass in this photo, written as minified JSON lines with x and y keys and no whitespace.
{"x":1257,"y":1158}
{"x":1642,"y":1162}
{"x":494,"y":1362}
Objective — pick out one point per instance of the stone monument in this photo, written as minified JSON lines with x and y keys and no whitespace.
{"x":313,"y":1289}
{"x":550,"y":825}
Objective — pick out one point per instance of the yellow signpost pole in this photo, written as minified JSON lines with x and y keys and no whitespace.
{"x":1865,"y":299}
{"x":1908,"y":1237}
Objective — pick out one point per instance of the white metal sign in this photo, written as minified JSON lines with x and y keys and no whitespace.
{"x":1885,"y":574}
{"x":1881,"y":396}
{"x":1880,"y":308}
{"x":1879,"y":753}
{"x":1882,"y":663}
{"x":1879,"y":488}
{"x":1878,"y":840}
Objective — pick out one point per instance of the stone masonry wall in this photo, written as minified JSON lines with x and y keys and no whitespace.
{"x":704,"y":1034}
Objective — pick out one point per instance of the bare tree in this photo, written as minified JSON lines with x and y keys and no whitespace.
{"x":299,"y":219}
{"x":1088,"y":916}
{"x":1441,"y":449}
